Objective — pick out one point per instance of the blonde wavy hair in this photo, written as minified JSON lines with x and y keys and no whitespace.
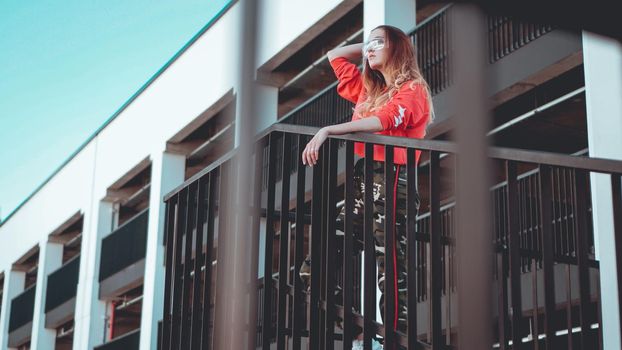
{"x":401,"y":64}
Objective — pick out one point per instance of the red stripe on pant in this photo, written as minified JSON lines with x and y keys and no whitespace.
{"x":397,"y":172}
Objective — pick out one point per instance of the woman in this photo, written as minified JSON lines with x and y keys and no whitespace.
{"x":392,"y":98}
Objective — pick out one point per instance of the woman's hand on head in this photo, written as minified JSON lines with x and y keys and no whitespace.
{"x":310,"y":154}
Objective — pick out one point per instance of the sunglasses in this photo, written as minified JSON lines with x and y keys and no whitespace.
{"x":373,"y":45}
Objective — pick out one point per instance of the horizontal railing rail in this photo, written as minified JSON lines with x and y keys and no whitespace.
{"x":124,"y":246}
{"x":540,"y":216}
{"x":62,"y":284}
{"x":22,"y":308}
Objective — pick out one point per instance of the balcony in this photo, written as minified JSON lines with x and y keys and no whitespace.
{"x":123,"y":257}
{"x":60,"y":299}
{"x":20,"y":320}
{"x":544,"y":261}
{"x":129,"y":341}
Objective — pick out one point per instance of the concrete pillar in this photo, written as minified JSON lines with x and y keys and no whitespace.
{"x":50,"y":259}
{"x":90,"y":314}
{"x":603,"y":88}
{"x":398,"y":13}
{"x":13,"y":285}
{"x":167,"y":172}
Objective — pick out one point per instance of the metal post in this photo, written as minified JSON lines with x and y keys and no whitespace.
{"x":474,"y":241}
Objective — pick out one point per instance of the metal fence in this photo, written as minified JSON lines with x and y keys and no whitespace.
{"x":62,"y":284}
{"x":544,"y":264}
{"x":124,"y":246}
{"x":506,"y":35}
{"x":22,"y":308}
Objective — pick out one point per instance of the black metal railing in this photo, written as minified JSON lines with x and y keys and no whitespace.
{"x":541,"y":232}
{"x":506,"y":35}
{"x":129,"y":341}
{"x":62,"y":284}
{"x":431,"y":38}
{"x":22,"y":308}
{"x":124,"y":246}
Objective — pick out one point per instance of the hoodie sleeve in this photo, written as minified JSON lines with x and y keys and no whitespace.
{"x":350,"y":80}
{"x":405,"y":108}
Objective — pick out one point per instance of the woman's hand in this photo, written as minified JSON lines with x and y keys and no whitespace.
{"x":311,"y":152}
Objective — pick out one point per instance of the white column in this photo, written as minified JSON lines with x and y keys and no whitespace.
{"x":90,"y":314}
{"x":50,"y":259}
{"x":167,"y":172}
{"x":603,"y":83}
{"x":398,"y":13}
{"x":13,"y":285}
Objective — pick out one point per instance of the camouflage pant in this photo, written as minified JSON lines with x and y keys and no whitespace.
{"x":379,"y":197}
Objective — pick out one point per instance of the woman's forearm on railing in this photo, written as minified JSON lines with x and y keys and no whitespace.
{"x":350,"y":52}
{"x":310,"y":154}
{"x":369,"y":124}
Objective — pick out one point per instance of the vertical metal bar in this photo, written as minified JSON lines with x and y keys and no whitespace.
{"x":390,"y":266}
{"x":170,"y":225}
{"x":316,"y":247}
{"x":515,"y":260}
{"x":198,"y":262}
{"x":565,"y":247}
{"x":435,"y":251}
{"x":331,"y":246}
{"x":411,"y":226}
{"x":325,"y":160}
{"x":501,"y":267}
{"x":283,"y":246}
{"x":177,"y":275}
{"x":255,"y":232}
{"x":348,"y":254}
{"x":558,"y":247}
{"x":267,"y":275}
{"x":221,"y":302}
{"x":370,"y":250}
{"x":581,"y":231}
{"x":535,"y":332}
{"x":616,"y":191}
{"x":299,"y":247}
{"x":188,"y":267}
{"x":502,"y":298}
{"x":209,"y":246}
{"x":447,"y":275}
{"x":547,"y":254}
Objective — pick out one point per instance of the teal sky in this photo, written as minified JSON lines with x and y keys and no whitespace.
{"x":67,"y":66}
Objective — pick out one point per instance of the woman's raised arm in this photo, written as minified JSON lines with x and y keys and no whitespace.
{"x":350,"y":52}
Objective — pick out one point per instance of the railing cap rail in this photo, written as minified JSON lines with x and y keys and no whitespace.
{"x":600,"y":165}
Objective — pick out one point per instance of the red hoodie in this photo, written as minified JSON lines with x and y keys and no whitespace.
{"x":406,"y":114}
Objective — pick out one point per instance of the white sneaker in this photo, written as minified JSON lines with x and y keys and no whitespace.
{"x":358,"y":345}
